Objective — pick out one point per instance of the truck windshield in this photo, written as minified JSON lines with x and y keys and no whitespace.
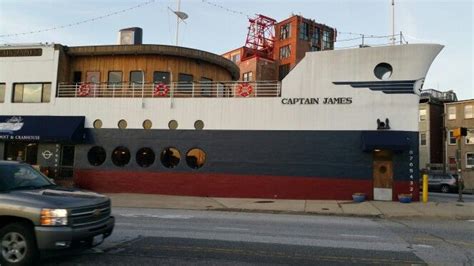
{"x":20,"y":176}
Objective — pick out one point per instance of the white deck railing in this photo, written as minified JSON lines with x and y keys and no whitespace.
{"x":174,"y":89}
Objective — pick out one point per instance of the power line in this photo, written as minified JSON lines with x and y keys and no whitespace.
{"x":226,"y":9}
{"x":79,"y":22}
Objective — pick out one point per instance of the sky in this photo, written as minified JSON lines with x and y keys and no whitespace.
{"x":221,"y":25}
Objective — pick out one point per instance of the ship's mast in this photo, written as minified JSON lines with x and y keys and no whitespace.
{"x":177,"y":21}
{"x":393,"y":22}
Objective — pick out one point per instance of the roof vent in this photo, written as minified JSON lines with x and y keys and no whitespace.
{"x":131,"y":36}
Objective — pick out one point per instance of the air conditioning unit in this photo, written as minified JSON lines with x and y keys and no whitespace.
{"x":130,"y":36}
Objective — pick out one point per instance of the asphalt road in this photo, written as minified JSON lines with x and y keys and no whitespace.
{"x":448,"y":197}
{"x":180,"y":237}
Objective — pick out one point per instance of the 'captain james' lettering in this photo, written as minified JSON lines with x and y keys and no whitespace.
{"x":333,"y":100}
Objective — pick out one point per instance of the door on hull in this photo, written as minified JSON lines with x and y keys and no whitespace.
{"x":383,"y":175}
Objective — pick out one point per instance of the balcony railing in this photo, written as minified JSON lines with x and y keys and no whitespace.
{"x":174,"y":89}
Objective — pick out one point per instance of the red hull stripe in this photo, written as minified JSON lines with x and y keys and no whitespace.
{"x":227,"y":185}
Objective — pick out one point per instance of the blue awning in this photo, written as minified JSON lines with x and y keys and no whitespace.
{"x":42,"y":128}
{"x":385,"y":140}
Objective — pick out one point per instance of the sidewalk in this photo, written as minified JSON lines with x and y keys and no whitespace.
{"x":376,"y":209}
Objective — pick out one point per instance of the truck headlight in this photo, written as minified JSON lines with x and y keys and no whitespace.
{"x":51,"y":217}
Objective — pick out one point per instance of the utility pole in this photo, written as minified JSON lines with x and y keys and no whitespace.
{"x":459,"y":133}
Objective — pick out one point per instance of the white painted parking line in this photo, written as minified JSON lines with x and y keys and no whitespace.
{"x":232,"y":228}
{"x":422,"y":246}
{"x":363,"y":236}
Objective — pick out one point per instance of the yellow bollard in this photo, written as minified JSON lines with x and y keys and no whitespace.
{"x":425,"y":188}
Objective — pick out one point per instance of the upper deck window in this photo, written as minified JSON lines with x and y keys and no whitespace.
{"x":285,"y":31}
{"x":93,"y":77}
{"x":137,"y":78}
{"x":161,"y":77}
{"x":115,"y":79}
{"x":31,"y":92}
{"x":185,"y":82}
{"x":2,"y":92}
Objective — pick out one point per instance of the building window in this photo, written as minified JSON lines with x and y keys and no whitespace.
{"x":247,"y":76}
{"x":470,"y":136}
{"x":195,"y":158}
{"x":170,"y":157}
{"x":422,"y":114}
{"x":468,"y":112}
{"x":304,"y":31}
{"x":145,"y":157}
{"x":423,"y":139}
{"x":115,"y":79}
{"x":31,"y":92}
{"x":315,"y":40}
{"x":97,"y":123}
{"x":161,"y":77}
{"x":137,"y":78}
{"x":283,"y":70}
{"x":96,"y":156}
{"x":2,"y":92}
{"x":121,"y":156}
{"x":452,"y":139}
{"x":326,"y":40}
{"x":206,"y":87}
{"x":235,"y":58}
{"x":93,"y":77}
{"x":285,"y":51}
{"x":452,"y":113}
{"x":469,"y":159}
{"x":285,"y":31}
{"x":185,"y":83}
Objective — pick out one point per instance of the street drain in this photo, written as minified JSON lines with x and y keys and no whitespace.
{"x":325,"y":209}
{"x":264,"y":201}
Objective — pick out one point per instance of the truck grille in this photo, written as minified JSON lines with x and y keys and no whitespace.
{"x":90,"y":215}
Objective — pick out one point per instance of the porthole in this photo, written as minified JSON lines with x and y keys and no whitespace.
{"x":121,"y":156}
{"x":170,"y":157}
{"x":198,"y":125}
{"x":173,"y":124}
{"x":147,"y":124}
{"x":145,"y":157}
{"x":98,"y":123}
{"x":383,"y":71}
{"x":96,"y":156}
{"x":122,"y":124}
{"x":195,"y":158}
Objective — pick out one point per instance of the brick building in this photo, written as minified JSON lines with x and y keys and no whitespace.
{"x":294,"y":37}
{"x":461,"y":114}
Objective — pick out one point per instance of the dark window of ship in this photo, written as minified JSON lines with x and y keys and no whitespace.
{"x":185,"y":84}
{"x":161,"y":77}
{"x":31,"y":92}
{"x":206,"y":87}
{"x":121,"y":156}
{"x":195,"y":158}
{"x":2,"y":92}
{"x":170,"y":157}
{"x":145,"y":157}
{"x":96,"y":156}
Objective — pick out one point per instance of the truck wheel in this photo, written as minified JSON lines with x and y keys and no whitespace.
{"x":17,"y":245}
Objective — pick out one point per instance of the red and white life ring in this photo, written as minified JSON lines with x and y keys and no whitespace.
{"x":244,"y":89}
{"x":161,"y":89}
{"x":83,"y":90}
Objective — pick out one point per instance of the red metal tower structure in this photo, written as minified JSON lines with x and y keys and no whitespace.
{"x":260,"y":38}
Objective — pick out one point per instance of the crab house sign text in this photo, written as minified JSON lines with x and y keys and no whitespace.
{"x":326,"y":100}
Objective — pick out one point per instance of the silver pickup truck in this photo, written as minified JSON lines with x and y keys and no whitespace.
{"x":36,"y":215}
